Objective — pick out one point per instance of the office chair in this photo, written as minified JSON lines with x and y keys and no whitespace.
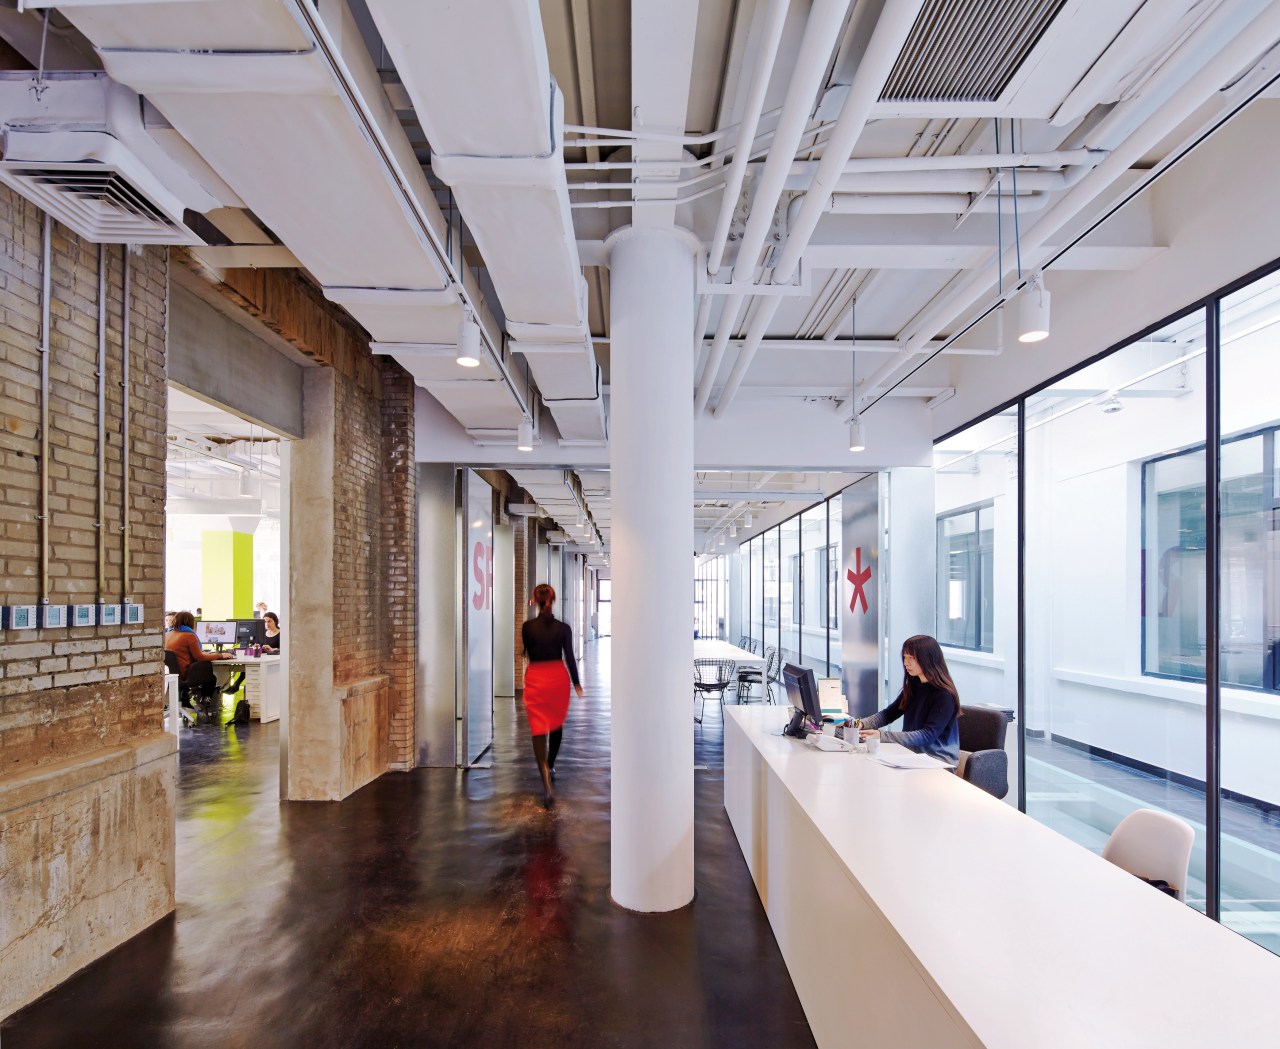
{"x":983,"y":761}
{"x":171,"y":667}
{"x":749,"y":677}
{"x":1155,"y":846}
{"x":203,"y":693}
{"x":711,"y":675}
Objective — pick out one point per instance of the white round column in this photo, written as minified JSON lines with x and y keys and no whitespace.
{"x":651,"y":309}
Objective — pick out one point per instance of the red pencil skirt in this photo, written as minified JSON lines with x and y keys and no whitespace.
{"x":546,"y":695}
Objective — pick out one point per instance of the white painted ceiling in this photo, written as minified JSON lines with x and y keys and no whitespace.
{"x":424,"y":161}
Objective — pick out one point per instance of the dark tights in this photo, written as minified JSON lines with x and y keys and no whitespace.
{"x":546,"y":758}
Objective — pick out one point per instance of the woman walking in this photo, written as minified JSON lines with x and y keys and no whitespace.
{"x":548,"y":644}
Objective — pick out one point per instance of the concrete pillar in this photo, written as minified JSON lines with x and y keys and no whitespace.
{"x":651,"y":420}
{"x":315,"y":716}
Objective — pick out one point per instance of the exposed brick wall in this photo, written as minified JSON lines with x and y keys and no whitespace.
{"x":68,"y":691}
{"x":399,"y":545}
{"x":357,"y":534}
{"x":375,"y":504}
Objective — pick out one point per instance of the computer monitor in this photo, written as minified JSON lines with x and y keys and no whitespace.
{"x":216,"y":632}
{"x":250,"y":632}
{"x":802,"y":690}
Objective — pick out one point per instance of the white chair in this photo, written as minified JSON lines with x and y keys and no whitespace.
{"x":1153,"y":845}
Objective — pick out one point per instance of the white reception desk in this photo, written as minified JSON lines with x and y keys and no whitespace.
{"x":912,"y":909}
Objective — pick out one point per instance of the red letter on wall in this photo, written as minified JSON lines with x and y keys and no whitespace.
{"x":477,"y":568}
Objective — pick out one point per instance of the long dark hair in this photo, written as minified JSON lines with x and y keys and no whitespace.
{"x":544,"y":596}
{"x":933,"y":665}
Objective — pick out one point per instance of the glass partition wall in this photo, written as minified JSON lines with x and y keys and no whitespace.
{"x":790,"y":588}
{"x":1249,"y":611}
{"x":1130,"y":612}
{"x":1114,"y":571}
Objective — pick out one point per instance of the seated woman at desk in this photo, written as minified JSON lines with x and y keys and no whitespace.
{"x":193,"y":661}
{"x":274,"y":635}
{"x":928,"y":704}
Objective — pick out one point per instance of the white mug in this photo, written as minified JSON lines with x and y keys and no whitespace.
{"x":873,"y":744}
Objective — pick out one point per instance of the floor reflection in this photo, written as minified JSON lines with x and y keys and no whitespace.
{"x":433,"y":908}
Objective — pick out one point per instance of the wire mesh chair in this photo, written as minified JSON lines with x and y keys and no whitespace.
{"x":711,"y":675}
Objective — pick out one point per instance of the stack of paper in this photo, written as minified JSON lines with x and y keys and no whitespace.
{"x":901,"y":758}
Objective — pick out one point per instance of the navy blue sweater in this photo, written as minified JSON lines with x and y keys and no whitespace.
{"x":929,"y":723}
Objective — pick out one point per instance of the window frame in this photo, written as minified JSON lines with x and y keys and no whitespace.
{"x":943,"y":564}
{"x":1270,"y":671}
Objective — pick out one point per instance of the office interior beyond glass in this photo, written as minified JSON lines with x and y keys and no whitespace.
{"x":1119,"y":647}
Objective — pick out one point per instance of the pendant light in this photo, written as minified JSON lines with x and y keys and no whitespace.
{"x":746,"y":519}
{"x":468,"y":354}
{"x":857,"y":436}
{"x":524,"y":436}
{"x":1033,"y":311}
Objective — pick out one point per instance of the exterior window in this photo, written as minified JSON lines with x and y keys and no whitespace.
{"x":1174,"y":516}
{"x":965,"y":578}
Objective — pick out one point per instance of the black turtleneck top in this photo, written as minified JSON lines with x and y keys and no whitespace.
{"x":546,"y":639}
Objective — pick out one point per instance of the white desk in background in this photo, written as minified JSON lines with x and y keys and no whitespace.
{"x":913,"y":909}
{"x":705,"y":648}
{"x":263,"y":683}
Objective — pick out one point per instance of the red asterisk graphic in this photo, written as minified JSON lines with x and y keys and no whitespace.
{"x":859,"y":581}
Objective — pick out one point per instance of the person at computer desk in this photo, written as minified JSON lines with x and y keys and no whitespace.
{"x":194,"y":662}
{"x":929,"y":704}
{"x":273,"y":633}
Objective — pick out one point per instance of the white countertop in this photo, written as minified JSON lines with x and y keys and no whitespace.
{"x":1034,"y":940}
{"x":709,"y":648}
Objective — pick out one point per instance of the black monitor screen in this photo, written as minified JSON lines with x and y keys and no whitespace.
{"x":802,"y":690}
{"x":251,"y":632}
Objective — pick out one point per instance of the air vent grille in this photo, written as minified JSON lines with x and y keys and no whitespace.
{"x":967,"y":50}
{"x":97,"y":202}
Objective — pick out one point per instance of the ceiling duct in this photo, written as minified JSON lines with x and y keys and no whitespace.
{"x":81,"y":152}
{"x":967,"y":50}
{"x":107,"y":199}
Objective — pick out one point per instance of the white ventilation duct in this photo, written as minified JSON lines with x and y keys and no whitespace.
{"x":290,"y":111}
{"x":496,"y":134}
{"x":79,"y":150}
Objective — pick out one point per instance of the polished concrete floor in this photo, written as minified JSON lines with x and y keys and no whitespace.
{"x":433,"y":908}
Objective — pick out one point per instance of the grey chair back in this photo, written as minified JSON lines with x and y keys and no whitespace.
{"x":983,"y":761}
{"x":982,"y":728}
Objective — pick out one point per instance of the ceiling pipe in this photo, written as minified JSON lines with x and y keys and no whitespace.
{"x":960,"y":162}
{"x":887,"y":38}
{"x":1213,"y":34}
{"x":933,"y":204}
{"x":863,"y":346}
{"x":1258,"y":37}
{"x":724,"y":330}
{"x":971,"y":181}
{"x":773,"y":19}
{"x":821,"y":32}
